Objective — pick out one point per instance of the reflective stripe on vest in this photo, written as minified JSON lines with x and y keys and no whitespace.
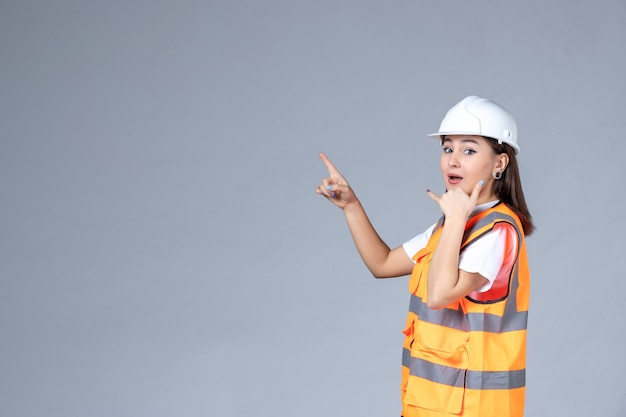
{"x":471,"y":380}
{"x":456,"y":319}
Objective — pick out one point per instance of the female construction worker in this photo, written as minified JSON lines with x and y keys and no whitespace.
{"x":465,"y":337}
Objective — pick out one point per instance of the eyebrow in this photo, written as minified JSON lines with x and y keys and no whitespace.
{"x":447,"y":139}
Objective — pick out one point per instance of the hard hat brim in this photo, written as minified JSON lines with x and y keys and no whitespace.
{"x":439,"y":134}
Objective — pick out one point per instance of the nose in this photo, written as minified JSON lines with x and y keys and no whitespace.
{"x":453,"y":160}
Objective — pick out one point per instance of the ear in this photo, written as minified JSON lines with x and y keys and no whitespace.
{"x":502,"y":161}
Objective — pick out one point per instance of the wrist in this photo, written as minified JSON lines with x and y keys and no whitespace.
{"x":456,"y":220}
{"x":352,"y":207}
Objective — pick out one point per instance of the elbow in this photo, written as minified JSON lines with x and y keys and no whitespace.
{"x":436,"y":301}
{"x":434,"y":305}
{"x":380,"y":272}
{"x":377,"y":274}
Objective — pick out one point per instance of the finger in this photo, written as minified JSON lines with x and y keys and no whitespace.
{"x":338,"y":191}
{"x":476,"y":191}
{"x":329,"y":165}
{"x":326,"y":190}
{"x":433,"y":196}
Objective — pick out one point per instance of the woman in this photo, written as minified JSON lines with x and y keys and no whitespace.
{"x":465,"y":337}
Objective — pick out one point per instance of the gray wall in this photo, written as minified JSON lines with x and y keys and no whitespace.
{"x":163,"y":252}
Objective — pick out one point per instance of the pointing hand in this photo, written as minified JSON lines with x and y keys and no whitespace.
{"x":335,"y":187}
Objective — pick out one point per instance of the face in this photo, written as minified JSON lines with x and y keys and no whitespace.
{"x":467,"y":159}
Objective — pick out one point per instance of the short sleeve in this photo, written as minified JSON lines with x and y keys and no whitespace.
{"x":486,"y":255}
{"x":418,"y":242}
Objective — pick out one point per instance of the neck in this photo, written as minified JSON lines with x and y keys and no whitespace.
{"x":486,"y":197}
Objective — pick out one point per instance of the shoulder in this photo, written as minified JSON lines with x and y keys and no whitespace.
{"x":419,"y":242}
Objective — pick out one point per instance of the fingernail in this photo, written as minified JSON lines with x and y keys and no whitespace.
{"x":332,"y":194}
{"x":481,"y":183}
{"x":428,"y":190}
{"x":329,"y":187}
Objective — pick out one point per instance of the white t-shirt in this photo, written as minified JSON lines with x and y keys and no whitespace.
{"x":484,"y":256}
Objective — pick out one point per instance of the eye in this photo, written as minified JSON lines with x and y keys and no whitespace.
{"x":447,"y":149}
{"x":469,"y":152}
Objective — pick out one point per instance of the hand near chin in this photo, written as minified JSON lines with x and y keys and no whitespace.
{"x":456,"y":202}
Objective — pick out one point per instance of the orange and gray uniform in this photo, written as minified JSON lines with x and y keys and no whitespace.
{"x":469,"y":359}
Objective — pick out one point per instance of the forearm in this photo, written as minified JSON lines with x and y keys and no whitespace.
{"x":372,"y":249}
{"x":443,"y":273}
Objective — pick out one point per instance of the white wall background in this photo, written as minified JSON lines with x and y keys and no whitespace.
{"x":163,"y":252}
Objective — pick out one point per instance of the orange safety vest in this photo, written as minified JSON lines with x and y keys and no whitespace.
{"x":468,"y":359}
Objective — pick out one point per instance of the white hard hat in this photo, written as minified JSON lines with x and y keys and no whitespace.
{"x":479,"y":116}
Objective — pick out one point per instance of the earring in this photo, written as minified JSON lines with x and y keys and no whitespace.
{"x":497,"y":175}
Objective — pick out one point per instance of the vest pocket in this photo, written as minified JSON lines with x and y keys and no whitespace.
{"x":438,"y":368}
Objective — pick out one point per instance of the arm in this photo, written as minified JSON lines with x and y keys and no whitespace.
{"x":377,"y":256}
{"x":446,"y":282}
{"x":379,"y":259}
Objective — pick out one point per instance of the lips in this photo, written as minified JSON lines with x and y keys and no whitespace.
{"x":454,"y":178}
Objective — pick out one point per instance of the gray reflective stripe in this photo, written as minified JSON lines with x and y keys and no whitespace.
{"x":456,"y":319}
{"x":496,"y":379}
{"x":511,"y":303}
{"x":437,"y":373}
{"x":493,"y":217}
{"x":406,"y":357}
{"x":479,"y":380}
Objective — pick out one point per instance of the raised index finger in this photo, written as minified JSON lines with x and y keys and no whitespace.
{"x":329,"y":165}
{"x":432,"y":195}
